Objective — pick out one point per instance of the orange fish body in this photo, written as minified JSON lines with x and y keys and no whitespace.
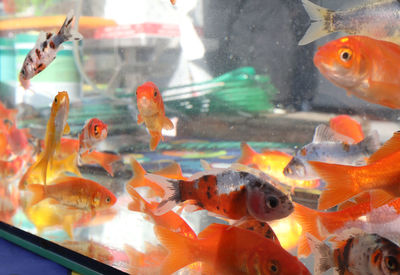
{"x":382,"y":173}
{"x":151,"y":112}
{"x":259,"y":227}
{"x":103,"y":159}
{"x":75,"y":192}
{"x":93,"y":132}
{"x":347,"y":126}
{"x":228,"y":250}
{"x":364,"y":67}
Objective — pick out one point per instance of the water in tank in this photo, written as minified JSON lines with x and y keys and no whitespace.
{"x":204,"y":137}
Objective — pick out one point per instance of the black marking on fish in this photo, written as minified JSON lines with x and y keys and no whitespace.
{"x":344,"y":260}
{"x":250,"y":228}
{"x":30,"y":58}
{"x":37,"y":51}
{"x":200,"y":204}
{"x":262,"y":224}
{"x":209,"y":195}
{"x":224,"y":210}
{"x":48,"y":35}
{"x":376,"y":257}
{"x":44,"y":45}
{"x":217,"y":207}
{"x":52,"y":45}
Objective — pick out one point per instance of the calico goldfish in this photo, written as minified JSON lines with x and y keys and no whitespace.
{"x":75,"y":192}
{"x":227,"y":250}
{"x":358,"y":254}
{"x":93,"y":132}
{"x":151,"y":112}
{"x":364,"y":67}
{"x":169,"y":220}
{"x":227,"y":193}
{"x":347,"y":126}
{"x":376,"y":19}
{"x":382,"y":173}
{"x":45,"y":50}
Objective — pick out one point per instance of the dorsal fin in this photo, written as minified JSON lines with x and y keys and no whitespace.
{"x":172,"y":169}
{"x":325,"y":134}
{"x":391,"y":146}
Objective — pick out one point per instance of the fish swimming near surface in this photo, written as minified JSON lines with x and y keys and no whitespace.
{"x":376,"y":19}
{"x":227,"y":193}
{"x":227,"y":249}
{"x":328,"y":147}
{"x":364,"y":67}
{"x":45,"y":50}
{"x":151,"y":112}
{"x":358,"y":254}
{"x":93,"y":132}
{"x":347,"y":126}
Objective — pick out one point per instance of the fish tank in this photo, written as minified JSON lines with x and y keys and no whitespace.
{"x":200,"y":136}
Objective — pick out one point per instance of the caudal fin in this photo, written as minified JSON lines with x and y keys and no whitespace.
{"x":155,"y":138}
{"x":247,"y":155}
{"x":66,"y":31}
{"x":323,"y":256}
{"x":38,"y":193}
{"x":138,"y":204}
{"x":340,"y":183}
{"x":321,"y":25}
{"x":182,"y":250}
{"x":370,"y":144}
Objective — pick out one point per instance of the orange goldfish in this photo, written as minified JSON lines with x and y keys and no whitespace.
{"x":93,"y":132}
{"x":75,"y":192}
{"x":11,"y":169}
{"x":103,"y":159}
{"x":259,"y":227}
{"x":151,"y":111}
{"x":382,"y":173}
{"x":18,"y":141}
{"x":56,"y":127}
{"x":347,"y":126}
{"x":273,"y":163}
{"x":169,"y":220}
{"x":364,"y":67}
{"x":228,"y":250}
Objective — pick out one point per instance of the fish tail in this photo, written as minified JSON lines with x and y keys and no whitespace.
{"x":155,"y":138}
{"x":66,"y":33}
{"x":370,"y":144}
{"x":321,"y":25}
{"x":247,"y":155}
{"x":68,"y":226}
{"x":42,"y":165}
{"x":180,"y":248}
{"x":72,"y":164}
{"x":38,"y":191}
{"x":340,"y":186}
{"x":323,"y":256}
{"x":171,"y":193}
{"x":138,"y":204}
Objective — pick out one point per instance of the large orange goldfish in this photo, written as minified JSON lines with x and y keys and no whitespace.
{"x":228,"y":250}
{"x":347,"y":126}
{"x":151,"y":111}
{"x":382,"y":173}
{"x":93,"y":132}
{"x":364,"y":67}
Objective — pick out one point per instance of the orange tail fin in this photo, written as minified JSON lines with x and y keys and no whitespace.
{"x":105,"y":160}
{"x":139,"y":180}
{"x":38,"y":193}
{"x":154,"y":140}
{"x":247,"y":155}
{"x":182,"y":250}
{"x":340,"y":183}
{"x":138,"y":204}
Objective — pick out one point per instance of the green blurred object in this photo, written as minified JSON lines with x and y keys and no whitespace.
{"x":241,"y":90}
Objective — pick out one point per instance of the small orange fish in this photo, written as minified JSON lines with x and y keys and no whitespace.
{"x":93,"y":132}
{"x":364,"y":67}
{"x":382,"y":173}
{"x":103,"y":159}
{"x":151,"y":111}
{"x":169,"y":220}
{"x":228,"y":250}
{"x":347,"y":126}
{"x":18,"y":141}
{"x":76,"y":192}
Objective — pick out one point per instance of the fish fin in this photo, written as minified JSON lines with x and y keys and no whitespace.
{"x":139,"y":204}
{"x":172,"y":169}
{"x":181,"y":249}
{"x":380,"y":198}
{"x":339,"y":185}
{"x":371,"y":143}
{"x":325,"y":134}
{"x":167,"y":124}
{"x":138,"y":169}
{"x":320,"y":25}
{"x":155,"y":138}
{"x":388,"y":148}
{"x":361,"y":198}
{"x":68,"y":226}
{"x":323,"y":255}
{"x":140,"y":119}
{"x":38,"y":193}
{"x":247,"y":155}
{"x":42,"y":165}
{"x":205,"y":164}
{"x":66,"y":31}
{"x":215,"y":229}
{"x":41,"y":38}
{"x":171,"y":193}
{"x":67,"y":130}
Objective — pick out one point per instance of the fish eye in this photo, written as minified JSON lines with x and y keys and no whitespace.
{"x":391,"y":263}
{"x":273,"y":268}
{"x":155,"y":93}
{"x":345,"y":54}
{"x":272,"y":202}
{"x":55,"y":100}
{"x":108,"y":200}
{"x":23,"y":72}
{"x":96,"y":130}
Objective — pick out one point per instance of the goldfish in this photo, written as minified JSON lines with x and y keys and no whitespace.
{"x":151,"y":112}
{"x":169,"y":220}
{"x":377,"y":19}
{"x":358,"y":254}
{"x":347,"y":126}
{"x":148,"y":261}
{"x":90,"y":249}
{"x":227,"y":193}
{"x":11,"y":169}
{"x":75,"y":192}
{"x":259,"y":227}
{"x":45,"y":50}
{"x":273,"y":164}
{"x":172,"y":171}
{"x":330,"y":150}
{"x":381,"y":174}
{"x":93,"y":132}
{"x":56,"y":126}
{"x":227,"y":250}
{"x":364,"y":67}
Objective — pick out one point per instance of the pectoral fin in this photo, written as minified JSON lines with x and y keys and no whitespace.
{"x":167,"y":124}
{"x":140,"y":119}
{"x":67,"y":130}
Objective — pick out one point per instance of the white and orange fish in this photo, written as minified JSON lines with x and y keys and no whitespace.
{"x":45,"y":50}
{"x":93,"y":132}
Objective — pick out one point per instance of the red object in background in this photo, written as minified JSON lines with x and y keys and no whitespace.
{"x":9,"y":6}
{"x":135,"y":30}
